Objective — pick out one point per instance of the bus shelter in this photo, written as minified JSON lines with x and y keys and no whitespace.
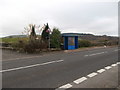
{"x":70,"y":41}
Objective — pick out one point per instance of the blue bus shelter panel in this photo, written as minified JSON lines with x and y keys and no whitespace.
{"x":66,"y":43}
{"x":76,"y":42}
{"x":70,"y":42}
{"x":71,"y":47}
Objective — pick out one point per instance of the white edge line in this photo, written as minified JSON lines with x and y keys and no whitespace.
{"x":113,"y":65}
{"x":108,"y":67}
{"x":118,"y":62}
{"x":13,"y":69}
{"x":101,"y":70}
{"x":92,"y":74}
{"x":66,"y":86}
{"x":80,"y":80}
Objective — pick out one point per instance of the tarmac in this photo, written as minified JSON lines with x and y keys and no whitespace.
{"x":107,"y":80}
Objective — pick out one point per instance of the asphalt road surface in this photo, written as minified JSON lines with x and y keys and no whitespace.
{"x":55,"y":70}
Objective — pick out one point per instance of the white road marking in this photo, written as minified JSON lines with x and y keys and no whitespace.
{"x":30,"y":66}
{"x":114,"y":65}
{"x":86,"y":55}
{"x":80,"y":80}
{"x":101,"y":70}
{"x":105,"y":52}
{"x":92,"y":74}
{"x":66,"y":86}
{"x":95,"y":54}
{"x":108,"y":67}
{"x":116,"y":50}
{"x":118,"y":62}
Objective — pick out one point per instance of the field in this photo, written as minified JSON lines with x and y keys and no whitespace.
{"x":13,"y":40}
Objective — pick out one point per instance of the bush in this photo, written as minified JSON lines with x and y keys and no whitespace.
{"x":84,"y":43}
{"x":32,"y":46}
{"x":55,"y":38}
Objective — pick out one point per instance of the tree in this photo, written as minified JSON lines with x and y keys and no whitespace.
{"x":46,"y":32}
{"x":45,"y":36}
{"x":33,"y":34}
{"x":55,"y":38}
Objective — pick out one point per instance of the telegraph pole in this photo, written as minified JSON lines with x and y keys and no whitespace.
{"x":49,"y":38}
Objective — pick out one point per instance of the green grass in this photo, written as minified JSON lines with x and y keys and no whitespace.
{"x":12,"y":40}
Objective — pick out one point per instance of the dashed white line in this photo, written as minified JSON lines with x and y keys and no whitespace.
{"x":95,"y":54}
{"x":66,"y":86}
{"x":92,"y":74}
{"x":116,"y":50}
{"x":86,"y":55}
{"x":114,"y":65}
{"x":118,"y":62}
{"x":108,"y":67}
{"x":80,"y":80}
{"x":101,"y":70}
{"x":13,"y":69}
{"x":105,"y":52}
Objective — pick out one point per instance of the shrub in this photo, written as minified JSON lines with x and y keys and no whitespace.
{"x":32,"y":46}
{"x":55,"y":38}
{"x":84,"y":43}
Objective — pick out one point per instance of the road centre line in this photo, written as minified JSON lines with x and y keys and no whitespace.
{"x":98,"y":53}
{"x":95,"y":54}
{"x":30,"y":66}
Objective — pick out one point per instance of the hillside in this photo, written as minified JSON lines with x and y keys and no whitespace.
{"x":95,"y":39}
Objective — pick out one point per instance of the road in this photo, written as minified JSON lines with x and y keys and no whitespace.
{"x":55,"y":70}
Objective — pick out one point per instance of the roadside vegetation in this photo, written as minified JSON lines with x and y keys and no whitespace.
{"x":84,"y":43}
{"x":48,"y":40}
{"x":35,"y":42}
{"x":55,"y":38}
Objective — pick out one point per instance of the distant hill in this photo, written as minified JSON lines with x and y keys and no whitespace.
{"x":95,"y":39}
{"x":111,"y":40}
{"x":15,"y":36}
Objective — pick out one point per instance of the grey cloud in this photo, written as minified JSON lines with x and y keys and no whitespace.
{"x":68,"y":16}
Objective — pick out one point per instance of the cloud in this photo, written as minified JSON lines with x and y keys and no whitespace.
{"x":68,"y":16}
{"x":99,"y":26}
{"x":105,"y":25}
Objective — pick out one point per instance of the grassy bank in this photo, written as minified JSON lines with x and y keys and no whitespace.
{"x":13,"y":40}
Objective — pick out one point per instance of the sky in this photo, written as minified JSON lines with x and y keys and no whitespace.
{"x":99,"y":17}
